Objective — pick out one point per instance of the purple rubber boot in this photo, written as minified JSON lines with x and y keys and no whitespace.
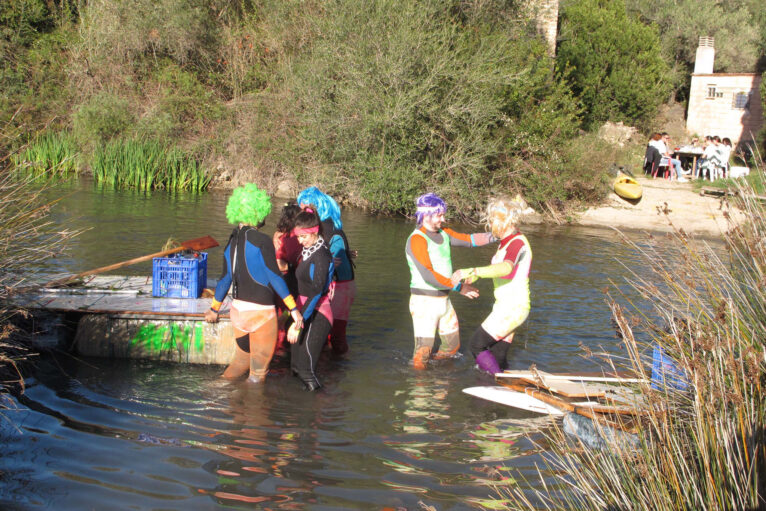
{"x":487,"y":362}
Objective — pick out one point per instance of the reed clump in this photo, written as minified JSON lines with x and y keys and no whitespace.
{"x":699,"y":448}
{"x":27,"y":238}
{"x":147,"y":165}
{"x":49,"y":154}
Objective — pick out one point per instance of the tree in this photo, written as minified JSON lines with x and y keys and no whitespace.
{"x":612,"y":61}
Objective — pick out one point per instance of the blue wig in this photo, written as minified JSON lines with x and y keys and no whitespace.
{"x":429,"y":204}
{"x":325,"y":205}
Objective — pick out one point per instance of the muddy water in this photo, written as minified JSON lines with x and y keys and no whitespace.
{"x":114,"y":434}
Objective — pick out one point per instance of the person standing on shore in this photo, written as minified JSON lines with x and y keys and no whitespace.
{"x":510,"y":274}
{"x":250,"y":270}
{"x":430,"y":261}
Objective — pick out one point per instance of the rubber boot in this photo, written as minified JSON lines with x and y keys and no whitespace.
{"x":487,"y":362}
{"x":421,"y":357}
{"x":312,"y":385}
{"x":338,"y":337}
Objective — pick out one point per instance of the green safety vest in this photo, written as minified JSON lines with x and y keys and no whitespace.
{"x":441,"y":259}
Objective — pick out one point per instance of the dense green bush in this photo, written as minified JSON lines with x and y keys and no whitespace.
{"x":612,"y":61}
{"x":104,"y":116}
{"x":440,"y":99}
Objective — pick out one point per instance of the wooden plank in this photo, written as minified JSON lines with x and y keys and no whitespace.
{"x":566,"y":388}
{"x":718,"y":192}
{"x":596,"y":377}
{"x":595,"y":411}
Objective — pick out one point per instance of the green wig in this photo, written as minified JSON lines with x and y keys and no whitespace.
{"x":248,"y":205}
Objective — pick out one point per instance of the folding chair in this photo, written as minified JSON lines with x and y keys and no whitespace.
{"x":653,"y":162}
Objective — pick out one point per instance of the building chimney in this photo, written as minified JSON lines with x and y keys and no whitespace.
{"x":703,"y":63}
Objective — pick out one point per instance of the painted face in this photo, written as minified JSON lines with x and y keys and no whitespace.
{"x":433,"y":223}
{"x":306,"y":240}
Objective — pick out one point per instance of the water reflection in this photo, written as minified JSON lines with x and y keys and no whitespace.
{"x":92,"y":433}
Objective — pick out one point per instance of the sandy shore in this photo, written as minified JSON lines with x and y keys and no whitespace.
{"x":663,"y":206}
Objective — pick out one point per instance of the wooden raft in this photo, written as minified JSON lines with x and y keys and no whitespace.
{"x":604,"y":403}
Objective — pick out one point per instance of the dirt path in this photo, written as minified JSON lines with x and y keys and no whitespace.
{"x":686,"y":209}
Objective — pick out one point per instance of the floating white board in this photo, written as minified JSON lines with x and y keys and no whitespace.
{"x":509,"y":397}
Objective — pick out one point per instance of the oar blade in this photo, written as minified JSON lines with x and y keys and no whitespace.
{"x":200,"y":243}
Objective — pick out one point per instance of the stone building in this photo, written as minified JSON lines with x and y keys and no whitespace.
{"x":723,"y":104}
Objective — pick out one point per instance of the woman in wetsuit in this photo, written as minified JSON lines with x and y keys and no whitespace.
{"x":344,"y":286}
{"x":314,"y":274}
{"x":250,"y":269}
{"x":288,"y":250}
{"x":510,"y":274}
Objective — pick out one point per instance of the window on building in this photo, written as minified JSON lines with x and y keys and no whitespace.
{"x":740,"y":101}
{"x":712,"y":92}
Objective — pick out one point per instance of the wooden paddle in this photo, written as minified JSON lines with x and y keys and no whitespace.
{"x":195,"y":244}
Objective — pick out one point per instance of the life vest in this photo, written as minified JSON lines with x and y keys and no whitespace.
{"x":441,"y":260}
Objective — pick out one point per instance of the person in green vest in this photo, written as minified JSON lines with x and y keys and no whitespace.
{"x":430,"y":261}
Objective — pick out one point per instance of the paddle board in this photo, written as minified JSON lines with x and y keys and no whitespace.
{"x":508,"y":397}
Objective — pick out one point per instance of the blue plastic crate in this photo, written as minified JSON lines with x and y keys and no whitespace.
{"x":665,"y":372}
{"x":179,"y":277}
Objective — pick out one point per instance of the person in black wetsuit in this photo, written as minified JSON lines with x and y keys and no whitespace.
{"x":344,"y":287}
{"x":314,"y":274}
{"x":250,"y":269}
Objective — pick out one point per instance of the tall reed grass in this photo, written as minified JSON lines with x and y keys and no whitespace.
{"x":27,"y":237}
{"x":50,"y":154}
{"x":147,"y":165}
{"x":704,"y":448}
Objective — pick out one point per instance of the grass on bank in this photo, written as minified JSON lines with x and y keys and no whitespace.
{"x":50,"y":154}
{"x":705,"y":449}
{"x":147,"y":165}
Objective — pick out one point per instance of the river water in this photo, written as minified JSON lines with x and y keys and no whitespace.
{"x":141,"y":435}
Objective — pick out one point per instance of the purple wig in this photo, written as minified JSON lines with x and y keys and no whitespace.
{"x":428,"y":204}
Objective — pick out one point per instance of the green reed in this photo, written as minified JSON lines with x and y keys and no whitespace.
{"x":147,"y":165}
{"x":50,"y":154}
{"x":700,"y":449}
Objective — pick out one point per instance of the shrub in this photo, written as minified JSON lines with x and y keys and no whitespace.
{"x":130,"y":30}
{"x":101,"y":118}
{"x":184,"y":98}
{"x":612,"y":61}
{"x":439,"y":100}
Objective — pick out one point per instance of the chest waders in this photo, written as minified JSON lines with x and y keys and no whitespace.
{"x":430,"y":307}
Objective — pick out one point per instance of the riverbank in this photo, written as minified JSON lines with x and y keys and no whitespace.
{"x":664,"y":207}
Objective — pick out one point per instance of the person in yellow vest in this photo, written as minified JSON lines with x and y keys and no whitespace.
{"x":509,"y":272}
{"x":429,"y":258}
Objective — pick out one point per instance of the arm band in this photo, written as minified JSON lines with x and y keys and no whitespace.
{"x":215,"y":306}
{"x":290,"y":302}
